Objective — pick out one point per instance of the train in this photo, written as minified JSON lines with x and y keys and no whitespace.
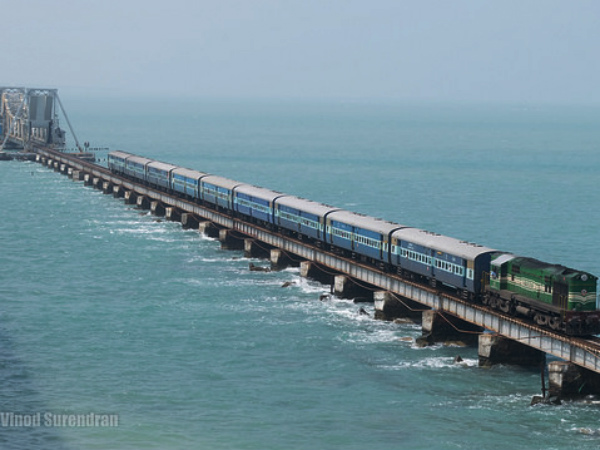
{"x":551,"y":295}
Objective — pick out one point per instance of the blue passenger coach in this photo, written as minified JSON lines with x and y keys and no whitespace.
{"x":365,"y":235}
{"x":218,"y":191}
{"x":159,"y":174}
{"x":255,"y":202}
{"x":135,"y":167}
{"x":187,"y":182}
{"x":459,"y":264}
{"x":302,"y":216}
{"x":116,"y":161}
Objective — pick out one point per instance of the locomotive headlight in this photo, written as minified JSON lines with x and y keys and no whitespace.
{"x":584,"y":277}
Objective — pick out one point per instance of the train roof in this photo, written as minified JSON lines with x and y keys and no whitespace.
{"x":139,"y":160}
{"x":120,"y":154}
{"x":446,"y":244}
{"x":365,"y":222}
{"x":257,"y":191}
{"x":554,"y":269}
{"x":190,"y":173}
{"x":221,"y":182}
{"x":309,"y":206}
{"x":503,"y":259}
{"x":162,"y":166}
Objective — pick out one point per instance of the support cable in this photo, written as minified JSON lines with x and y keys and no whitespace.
{"x":68,"y":122}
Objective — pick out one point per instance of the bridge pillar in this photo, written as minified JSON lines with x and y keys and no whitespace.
{"x":56,"y":166}
{"x":309,"y":269}
{"x":389,"y":306}
{"x":172,"y":213}
{"x":87,"y":179}
{"x":441,"y":327}
{"x":118,"y":191}
{"x":96,"y":182}
{"x":209,"y":229}
{"x":281,"y":259}
{"x":157,"y":208}
{"x":130,"y":197}
{"x":255,"y":249}
{"x":568,"y":381}
{"x":346,"y":287}
{"x":107,"y":187}
{"x":76,"y":175}
{"x":496,"y":349}
{"x":142,"y":202}
{"x":229,"y":241}
{"x":189,"y":221}
{"x":63,"y":168}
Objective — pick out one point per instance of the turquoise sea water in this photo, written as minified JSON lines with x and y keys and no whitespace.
{"x":108,"y":310}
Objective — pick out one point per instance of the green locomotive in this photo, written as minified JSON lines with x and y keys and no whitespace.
{"x":552,"y":295}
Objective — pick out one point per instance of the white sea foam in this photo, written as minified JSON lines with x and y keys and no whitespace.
{"x":434,"y":362}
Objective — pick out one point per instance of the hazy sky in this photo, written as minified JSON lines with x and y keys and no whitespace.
{"x":504,"y":50}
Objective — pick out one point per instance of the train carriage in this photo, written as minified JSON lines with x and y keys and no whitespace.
{"x":187,"y":182}
{"x":255,"y":202}
{"x":135,"y":167}
{"x":218,"y":191}
{"x":441,"y":258}
{"x":302,"y":216}
{"x":361,"y":234}
{"x":159,"y":174}
{"x":116,"y":161}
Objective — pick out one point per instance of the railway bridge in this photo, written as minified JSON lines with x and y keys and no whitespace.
{"x":500,"y":338}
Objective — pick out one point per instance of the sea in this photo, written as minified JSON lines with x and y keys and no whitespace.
{"x":120,"y":330}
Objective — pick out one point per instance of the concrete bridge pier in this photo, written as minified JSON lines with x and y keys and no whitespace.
{"x":189,"y":221}
{"x":76,"y":175}
{"x":496,"y":349}
{"x":107,"y":187}
{"x":172,"y":213}
{"x":96,"y":183}
{"x":281,"y":259}
{"x":142,"y":202}
{"x":63,"y":168}
{"x":87,"y":179}
{"x":309,"y":269}
{"x":56,"y":166}
{"x":157,"y":208}
{"x":256,"y":249}
{"x":209,"y":229}
{"x":569,"y":381}
{"x":442,"y":327}
{"x":130,"y":197}
{"x":118,"y":191}
{"x":229,"y":240}
{"x":390,"y":307}
{"x":346,"y":287}
{"x":49,"y":162}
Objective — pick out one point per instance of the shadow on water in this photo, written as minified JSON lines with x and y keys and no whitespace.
{"x":19,"y":396}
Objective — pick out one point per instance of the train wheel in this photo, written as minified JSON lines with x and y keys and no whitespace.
{"x":555,"y":323}
{"x":541,"y":319}
{"x":505,"y":306}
